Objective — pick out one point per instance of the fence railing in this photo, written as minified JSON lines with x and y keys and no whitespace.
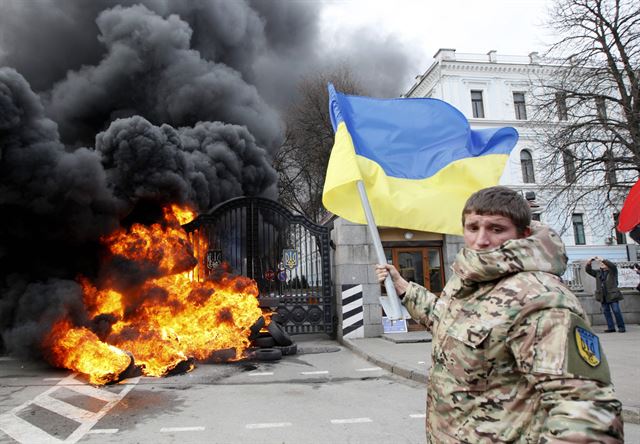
{"x":572,"y":276}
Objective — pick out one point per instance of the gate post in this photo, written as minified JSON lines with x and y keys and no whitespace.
{"x":353,"y":263}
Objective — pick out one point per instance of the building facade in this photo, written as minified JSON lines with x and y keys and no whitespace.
{"x":491,"y":91}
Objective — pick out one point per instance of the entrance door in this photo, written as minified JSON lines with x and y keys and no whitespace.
{"x":422,"y":265}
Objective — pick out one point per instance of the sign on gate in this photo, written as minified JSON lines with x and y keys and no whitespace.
{"x":213,"y":259}
{"x":290,"y":258}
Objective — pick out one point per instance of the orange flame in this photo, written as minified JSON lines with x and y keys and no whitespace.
{"x":164,"y":320}
{"x":182,"y":214}
{"x":81,"y":350}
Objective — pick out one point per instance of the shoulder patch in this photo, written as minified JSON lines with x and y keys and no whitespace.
{"x":585,"y":357}
{"x":588,"y":346}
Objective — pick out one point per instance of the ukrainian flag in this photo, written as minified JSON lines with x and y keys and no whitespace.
{"x":418,"y":158}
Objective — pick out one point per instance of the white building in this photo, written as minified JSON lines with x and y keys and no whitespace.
{"x":492,"y":90}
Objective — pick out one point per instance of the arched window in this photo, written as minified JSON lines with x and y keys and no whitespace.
{"x":526,"y":162}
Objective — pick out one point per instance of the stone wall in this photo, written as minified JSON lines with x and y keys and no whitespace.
{"x":630,"y":307}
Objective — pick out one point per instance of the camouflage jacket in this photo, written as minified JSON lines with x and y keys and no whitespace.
{"x":513,"y":359}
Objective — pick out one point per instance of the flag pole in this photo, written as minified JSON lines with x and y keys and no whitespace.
{"x":394,"y":311}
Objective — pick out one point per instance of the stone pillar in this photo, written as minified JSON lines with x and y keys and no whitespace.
{"x":353,"y":264}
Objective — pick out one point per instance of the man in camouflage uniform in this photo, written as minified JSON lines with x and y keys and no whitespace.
{"x":514,"y":358}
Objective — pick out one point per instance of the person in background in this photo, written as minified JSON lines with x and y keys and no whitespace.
{"x":636,"y":268}
{"x":513,"y":356}
{"x":607,"y":292}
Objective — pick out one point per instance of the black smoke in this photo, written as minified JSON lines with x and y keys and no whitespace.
{"x":150,"y":123}
{"x":271,"y":43}
{"x":110,"y":110}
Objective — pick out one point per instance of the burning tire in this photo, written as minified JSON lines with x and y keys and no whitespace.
{"x":268,"y":354}
{"x":256,"y":327}
{"x":279,"y":335}
{"x":182,"y":367}
{"x":132,"y":371}
{"x":288,"y":350}
{"x":264,"y":342}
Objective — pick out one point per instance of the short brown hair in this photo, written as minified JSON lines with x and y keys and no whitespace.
{"x":500,"y":201}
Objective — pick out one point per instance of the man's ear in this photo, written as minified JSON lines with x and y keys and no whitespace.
{"x":526,"y":232}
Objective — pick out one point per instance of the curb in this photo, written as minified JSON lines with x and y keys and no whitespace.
{"x":630,"y":415}
{"x":384,"y":363}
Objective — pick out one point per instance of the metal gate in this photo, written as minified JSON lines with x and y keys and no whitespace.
{"x":287,"y":255}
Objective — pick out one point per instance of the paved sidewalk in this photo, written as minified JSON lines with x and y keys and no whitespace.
{"x":409,"y":355}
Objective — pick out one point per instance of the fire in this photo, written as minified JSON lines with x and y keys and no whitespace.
{"x":163,"y":247}
{"x":81,"y":350}
{"x":182,"y":214}
{"x":162,"y":321}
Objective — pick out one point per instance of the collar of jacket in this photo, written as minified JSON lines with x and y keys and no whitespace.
{"x":543,"y":251}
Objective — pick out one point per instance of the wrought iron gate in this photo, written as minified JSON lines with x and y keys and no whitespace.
{"x":287,"y":255}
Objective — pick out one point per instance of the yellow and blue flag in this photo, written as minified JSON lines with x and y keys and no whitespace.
{"x":418,"y":158}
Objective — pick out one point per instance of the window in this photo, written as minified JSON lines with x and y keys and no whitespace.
{"x":476,"y":104}
{"x":621,"y":238}
{"x":519,"y":106}
{"x":569,"y":167}
{"x":578,"y":229}
{"x":436,"y":275}
{"x":535,"y":216}
{"x":601,"y":108}
{"x":610,"y":170}
{"x":561,"y":104}
{"x":526,"y":162}
{"x":422,"y":265}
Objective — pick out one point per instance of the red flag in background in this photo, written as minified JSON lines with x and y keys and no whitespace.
{"x":630,"y":214}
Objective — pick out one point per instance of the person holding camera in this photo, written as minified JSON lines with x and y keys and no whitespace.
{"x":607,"y":292}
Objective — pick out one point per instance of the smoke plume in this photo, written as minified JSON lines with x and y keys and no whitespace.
{"x":150,"y":123}
{"x":110,"y":111}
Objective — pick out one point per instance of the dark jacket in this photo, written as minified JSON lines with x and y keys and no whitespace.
{"x":611,"y":282}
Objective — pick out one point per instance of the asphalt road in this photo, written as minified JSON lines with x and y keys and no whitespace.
{"x":325,"y":394}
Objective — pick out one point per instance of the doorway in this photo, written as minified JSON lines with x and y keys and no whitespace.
{"x":422,"y":265}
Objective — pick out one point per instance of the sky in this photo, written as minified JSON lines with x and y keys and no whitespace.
{"x":421,"y":27}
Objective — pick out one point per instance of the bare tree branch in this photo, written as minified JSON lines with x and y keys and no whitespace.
{"x":302,"y":160}
{"x":587,"y":104}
